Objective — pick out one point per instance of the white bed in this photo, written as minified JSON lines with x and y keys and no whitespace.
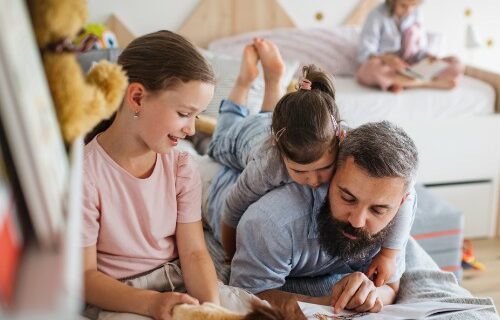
{"x":458,"y":136}
{"x":457,"y":132}
{"x":359,"y":104}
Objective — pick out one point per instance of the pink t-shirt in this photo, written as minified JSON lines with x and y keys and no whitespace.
{"x":132,"y":221}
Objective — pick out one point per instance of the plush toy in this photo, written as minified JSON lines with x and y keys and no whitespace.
{"x":209,"y":311}
{"x":105,"y":39}
{"x":80,"y":101}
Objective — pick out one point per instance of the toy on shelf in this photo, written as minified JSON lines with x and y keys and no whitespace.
{"x":80,"y":101}
{"x":104,"y":38}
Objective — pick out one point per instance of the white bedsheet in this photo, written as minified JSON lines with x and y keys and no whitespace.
{"x":360,"y":104}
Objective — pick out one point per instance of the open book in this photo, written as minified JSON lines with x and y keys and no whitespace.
{"x":425,"y":69}
{"x":409,"y":311}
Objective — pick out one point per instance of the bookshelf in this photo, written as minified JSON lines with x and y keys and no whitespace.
{"x":45,"y":179}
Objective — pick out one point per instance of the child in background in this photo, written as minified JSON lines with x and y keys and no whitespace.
{"x":143,"y":241}
{"x":294,"y":139}
{"x":393,"y":39}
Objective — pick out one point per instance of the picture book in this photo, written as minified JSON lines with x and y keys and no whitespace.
{"x":425,"y":70}
{"x":409,"y":311}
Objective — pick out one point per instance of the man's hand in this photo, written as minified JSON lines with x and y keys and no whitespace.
{"x":162,"y":305}
{"x":356,"y":292}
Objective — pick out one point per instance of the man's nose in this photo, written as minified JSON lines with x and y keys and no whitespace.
{"x":357,"y":218}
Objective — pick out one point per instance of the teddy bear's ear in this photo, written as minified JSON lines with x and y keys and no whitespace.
{"x":54,"y":20}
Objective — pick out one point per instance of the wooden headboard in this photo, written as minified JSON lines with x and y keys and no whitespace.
{"x":214,"y":19}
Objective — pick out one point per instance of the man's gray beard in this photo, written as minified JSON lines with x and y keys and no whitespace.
{"x":336,"y":244}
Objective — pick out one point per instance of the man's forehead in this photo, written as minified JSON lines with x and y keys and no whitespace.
{"x":352,"y":179}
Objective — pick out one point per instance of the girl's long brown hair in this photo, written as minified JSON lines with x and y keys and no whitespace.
{"x":160,"y":61}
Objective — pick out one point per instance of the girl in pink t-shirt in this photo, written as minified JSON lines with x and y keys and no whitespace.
{"x":143,"y":236}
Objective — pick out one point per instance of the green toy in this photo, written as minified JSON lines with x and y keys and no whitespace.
{"x":105,"y":38}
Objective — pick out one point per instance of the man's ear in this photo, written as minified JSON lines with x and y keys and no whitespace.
{"x":405,"y":196}
{"x":342,"y":135}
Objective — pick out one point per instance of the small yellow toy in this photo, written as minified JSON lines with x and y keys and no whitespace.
{"x":105,"y":39}
{"x":80,"y":101}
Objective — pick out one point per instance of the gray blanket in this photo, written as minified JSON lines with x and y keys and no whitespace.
{"x":422,"y":281}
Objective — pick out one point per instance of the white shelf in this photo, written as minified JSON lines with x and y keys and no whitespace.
{"x":49,"y":284}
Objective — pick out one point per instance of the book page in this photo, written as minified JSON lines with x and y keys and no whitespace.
{"x":419,"y":310}
{"x":425,"y":69}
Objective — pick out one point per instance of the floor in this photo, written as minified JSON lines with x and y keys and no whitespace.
{"x":485,"y":283}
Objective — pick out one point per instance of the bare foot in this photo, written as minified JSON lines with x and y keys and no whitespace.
{"x":445,"y":84}
{"x":248,"y":68}
{"x":394,"y":88}
{"x":271,"y":60}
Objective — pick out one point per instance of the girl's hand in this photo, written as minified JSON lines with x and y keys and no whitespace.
{"x":394,"y":61}
{"x":381,"y":268}
{"x":163,"y":304}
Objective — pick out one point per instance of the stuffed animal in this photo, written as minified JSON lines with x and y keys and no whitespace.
{"x":209,"y":311}
{"x":105,"y":39}
{"x":80,"y":101}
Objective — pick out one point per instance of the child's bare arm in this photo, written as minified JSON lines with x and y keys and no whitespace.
{"x":197,"y":265}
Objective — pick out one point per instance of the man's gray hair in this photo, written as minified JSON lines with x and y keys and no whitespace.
{"x":383,"y":150}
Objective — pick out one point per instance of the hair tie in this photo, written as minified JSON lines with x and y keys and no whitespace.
{"x":304,"y":84}
{"x":279,"y":133}
{"x":335,"y":126}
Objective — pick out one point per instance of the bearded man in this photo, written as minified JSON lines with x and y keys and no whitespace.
{"x":315,"y":245}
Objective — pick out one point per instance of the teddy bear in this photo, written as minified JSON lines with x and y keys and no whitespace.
{"x":81,"y":101}
{"x":289,"y":310}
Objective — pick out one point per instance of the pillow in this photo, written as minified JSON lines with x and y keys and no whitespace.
{"x":226,"y":70}
{"x":333,"y":50}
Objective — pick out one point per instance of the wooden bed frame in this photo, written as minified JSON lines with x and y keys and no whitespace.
{"x":459,"y":158}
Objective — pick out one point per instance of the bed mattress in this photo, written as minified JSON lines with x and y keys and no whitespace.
{"x":359,"y":104}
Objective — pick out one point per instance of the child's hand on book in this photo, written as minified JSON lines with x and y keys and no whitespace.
{"x":395,"y":62}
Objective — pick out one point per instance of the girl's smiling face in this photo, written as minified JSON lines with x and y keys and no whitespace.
{"x":169,"y":115}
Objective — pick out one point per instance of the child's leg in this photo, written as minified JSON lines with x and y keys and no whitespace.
{"x":274,"y":69}
{"x":229,"y":114}
{"x":232,"y":112}
{"x":375,"y":73}
{"x":256,"y":129}
{"x":248,"y":74}
{"x":448,"y":78}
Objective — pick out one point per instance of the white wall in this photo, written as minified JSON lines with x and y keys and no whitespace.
{"x":443,"y":16}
